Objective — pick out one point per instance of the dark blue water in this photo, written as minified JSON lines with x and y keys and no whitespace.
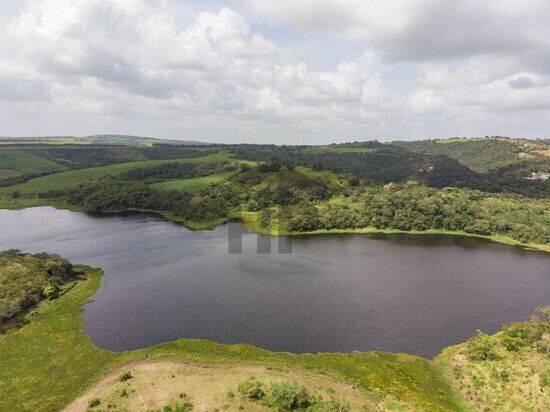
{"x":333,"y":293}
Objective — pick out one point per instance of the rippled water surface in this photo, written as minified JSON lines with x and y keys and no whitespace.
{"x":334,"y":293}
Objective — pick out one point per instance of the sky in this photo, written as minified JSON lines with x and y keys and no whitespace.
{"x":275,"y":71}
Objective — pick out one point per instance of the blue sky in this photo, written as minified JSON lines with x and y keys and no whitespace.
{"x":307,"y":72}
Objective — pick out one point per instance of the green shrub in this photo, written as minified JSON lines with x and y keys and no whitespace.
{"x":185,"y":406}
{"x":51,"y":291}
{"x":332,"y":405}
{"x":252,"y":389}
{"x":481,"y":348}
{"x":126,"y":376}
{"x":544,"y":379}
{"x":94,"y":402}
{"x":525,"y":335}
{"x":288,"y":396}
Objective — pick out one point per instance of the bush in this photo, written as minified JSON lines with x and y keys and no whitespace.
{"x":185,"y":406}
{"x":126,"y":376}
{"x":252,"y":389}
{"x":94,"y":402}
{"x":517,"y":337}
{"x":333,"y":405}
{"x":544,"y":379}
{"x":51,"y":291}
{"x":288,"y":396}
{"x":481,"y":348}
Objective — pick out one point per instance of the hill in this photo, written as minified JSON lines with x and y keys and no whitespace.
{"x":483,"y":154}
{"x":99,"y":139}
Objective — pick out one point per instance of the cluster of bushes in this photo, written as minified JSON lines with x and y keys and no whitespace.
{"x":303,"y":202}
{"x":491,"y":165}
{"x":249,"y":190}
{"x":114,"y":194}
{"x":289,"y":396}
{"x":416,"y":207}
{"x":27,"y":279}
{"x":381,"y":163}
{"x":177,"y":171}
{"x":514,"y":338}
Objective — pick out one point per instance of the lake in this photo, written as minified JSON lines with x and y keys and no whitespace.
{"x":331,"y":293}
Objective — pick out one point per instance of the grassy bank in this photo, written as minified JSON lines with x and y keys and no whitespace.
{"x":49,"y":362}
{"x":509,"y":370}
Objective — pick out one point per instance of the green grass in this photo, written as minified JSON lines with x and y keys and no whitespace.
{"x":9,"y":173}
{"x":49,"y":362}
{"x":72,"y":178}
{"x":344,"y":149}
{"x":27,"y":163}
{"x":506,"y":371}
{"x":192,"y":185}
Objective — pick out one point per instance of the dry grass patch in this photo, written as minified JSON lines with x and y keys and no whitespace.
{"x":207,"y":387}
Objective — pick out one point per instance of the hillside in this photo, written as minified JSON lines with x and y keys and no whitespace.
{"x":483,"y":154}
{"x":203,"y":188}
{"x":99,"y":139}
{"x":504,"y":372}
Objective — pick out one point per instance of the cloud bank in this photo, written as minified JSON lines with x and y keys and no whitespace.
{"x":250,"y":71}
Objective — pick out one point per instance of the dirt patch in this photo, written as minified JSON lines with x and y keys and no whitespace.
{"x":208,"y":387}
{"x":545,"y":152}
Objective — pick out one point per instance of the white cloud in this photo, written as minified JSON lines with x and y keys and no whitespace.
{"x":424,"y":29}
{"x":166,"y":68}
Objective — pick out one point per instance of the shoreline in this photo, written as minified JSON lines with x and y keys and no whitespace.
{"x":62,"y":321}
{"x":250,"y":222}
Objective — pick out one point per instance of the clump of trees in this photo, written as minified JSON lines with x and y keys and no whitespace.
{"x":27,"y":279}
{"x":416,"y":207}
{"x":176,"y":171}
{"x":289,"y":396}
{"x":308,"y":203}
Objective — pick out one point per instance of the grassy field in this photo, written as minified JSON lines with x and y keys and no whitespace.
{"x":72,"y":178}
{"x":192,"y":185}
{"x":50,"y":362}
{"x":26,"y":163}
{"x":507,"y":371}
{"x":345,"y":149}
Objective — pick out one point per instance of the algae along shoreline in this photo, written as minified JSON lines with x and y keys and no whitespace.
{"x":49,"y":362}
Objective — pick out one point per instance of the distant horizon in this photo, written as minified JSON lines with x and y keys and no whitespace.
{"x":214,"y":142}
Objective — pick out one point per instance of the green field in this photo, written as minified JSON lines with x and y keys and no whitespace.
{"x":27,"y":163}
{"x":9,"y":173}
{"x":72,"y":178}
{"x":336,"y":149}
{"x":49,"y":362}
{"x":192,"y":185}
